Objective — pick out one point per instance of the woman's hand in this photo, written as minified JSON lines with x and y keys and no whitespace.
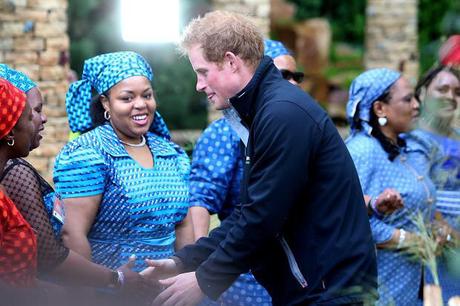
{"x":160,"y":269}
{"x":135,"y":285}
{"x":388,"y":202}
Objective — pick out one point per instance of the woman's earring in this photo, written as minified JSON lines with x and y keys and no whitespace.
{"x":107,"y":115}
{"x":10,"y":142}
{"x":382,"y":121}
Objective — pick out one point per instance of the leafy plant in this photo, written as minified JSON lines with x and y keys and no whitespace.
{"x":426,"y":248}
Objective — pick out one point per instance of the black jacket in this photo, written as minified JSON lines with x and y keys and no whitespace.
{"x":302,"y":228}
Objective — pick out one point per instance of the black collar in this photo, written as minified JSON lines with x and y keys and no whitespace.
{"x":245,"y":101}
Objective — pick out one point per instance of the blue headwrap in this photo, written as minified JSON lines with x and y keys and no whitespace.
{"x":274,"y":48}
{"x":17,"y":78}
{"x":364,"y":91}
{"x":102,"y":72}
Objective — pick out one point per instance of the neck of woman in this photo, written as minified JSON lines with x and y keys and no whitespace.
{"x":3,"y":158}
{"x":391,"y":136}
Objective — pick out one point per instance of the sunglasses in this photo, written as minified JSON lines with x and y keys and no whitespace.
{"x":296,"y":76}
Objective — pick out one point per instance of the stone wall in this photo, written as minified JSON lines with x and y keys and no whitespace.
{"x":258,"y":10}
{"x":33,"y":39}
{"x":391,"y":35}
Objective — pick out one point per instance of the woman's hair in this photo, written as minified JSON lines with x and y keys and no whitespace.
{"x":219,"y":32}
{"x":97,"y":110}
{"x":384,"y":98}
{"x":429,"y":76}
{"x":393,"y":149}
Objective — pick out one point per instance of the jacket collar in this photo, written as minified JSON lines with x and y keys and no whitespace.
{"x":112,"y":145}
{"x":245,"y":101}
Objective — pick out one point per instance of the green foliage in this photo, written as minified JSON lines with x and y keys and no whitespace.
{"x":436,"y":21}
{"x":94,"y":28}
{"x":347,"y":18}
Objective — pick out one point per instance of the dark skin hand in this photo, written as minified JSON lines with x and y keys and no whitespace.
{"x":388,"y":202}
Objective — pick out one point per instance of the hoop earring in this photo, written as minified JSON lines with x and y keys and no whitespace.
{"x":382,"y":121}
{"x":107,"y":115}
{"x":10,"y":142}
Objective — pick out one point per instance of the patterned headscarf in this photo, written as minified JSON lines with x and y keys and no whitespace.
{"x":17,"y":78}
{"x":12,"y":104}
{"x":102,"y":72}
{"x":364,"y":91}
{"x":274,"y":48}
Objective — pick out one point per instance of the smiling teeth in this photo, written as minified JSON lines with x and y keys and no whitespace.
{"x":140,"y":117}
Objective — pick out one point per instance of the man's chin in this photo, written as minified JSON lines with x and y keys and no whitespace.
{"x":221,"y":107}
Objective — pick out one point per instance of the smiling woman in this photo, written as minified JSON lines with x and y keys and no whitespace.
{"x":439,"y":94}
{"x":124,"y":184}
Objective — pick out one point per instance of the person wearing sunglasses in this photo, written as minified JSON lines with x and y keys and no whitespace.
{"x":284,"y":61}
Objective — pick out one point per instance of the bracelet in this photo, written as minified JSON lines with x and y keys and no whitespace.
{"x":402,"y":237}
{"x":121,"y":278}
{"x":117,"y":279}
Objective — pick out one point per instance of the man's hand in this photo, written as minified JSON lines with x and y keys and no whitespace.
{"x":182,"y":290}
{"x":160,"y":269}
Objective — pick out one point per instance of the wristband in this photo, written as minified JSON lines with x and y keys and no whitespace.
{"x":402,"y":237}
{"x":117,"y":280}
{"x":121,"y":278}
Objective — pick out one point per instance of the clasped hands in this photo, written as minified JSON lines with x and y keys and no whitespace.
{"x":177,"y":289}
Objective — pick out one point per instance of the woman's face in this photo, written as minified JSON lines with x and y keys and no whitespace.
{"x":131,"y":106}
{"x":402,"y":109}
{"x":35,"y":100}
{"x":442,"y":96}
{"x":24,"y":132}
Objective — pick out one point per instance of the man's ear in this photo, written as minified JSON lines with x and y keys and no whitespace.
{"x":379,"y":108}
{"x":231,"y":60}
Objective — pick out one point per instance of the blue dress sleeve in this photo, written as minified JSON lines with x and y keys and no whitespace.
{"x":214,"y":163}
{"x":364,"y":160}
{"x":79,"y":172}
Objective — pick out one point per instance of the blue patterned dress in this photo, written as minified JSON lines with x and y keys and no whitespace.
{"x":140,"y":207}
{"x":217,"y":170}
{"x":399,"y":278}
{"x":445,"y":173}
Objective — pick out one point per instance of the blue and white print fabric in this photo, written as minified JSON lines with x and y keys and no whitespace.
{"x":140,"y":207}
{"x":17,"y":78}
{"x":101,"y":72}
{"x":364,"y":90}
{"x":217,"y":171}
{"x":445,"y":174}
{"x":398,"y":276}
{"x":274,"y":48}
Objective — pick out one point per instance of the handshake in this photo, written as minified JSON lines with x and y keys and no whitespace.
{"x":161,"y":284}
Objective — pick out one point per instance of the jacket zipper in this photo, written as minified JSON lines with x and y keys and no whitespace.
{"x":295,"y":270}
